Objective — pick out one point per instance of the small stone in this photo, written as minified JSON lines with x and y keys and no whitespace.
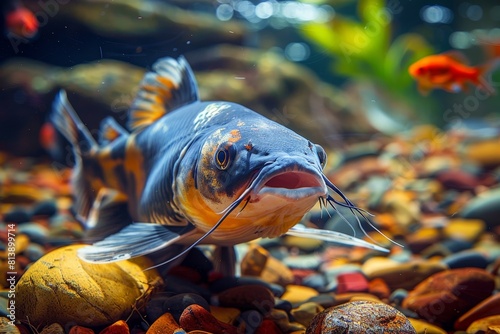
{"x":165,"y":324}
{"x":444,"y":296}
{"x":360,"y":317}
{"x":249,"y":321}
{"x":250,"y":297}
{"x":397,"y":296}
{"x":6,"y":327}
{"x":70,"y":290}
{"x":176,"y":285}
{"x":422,"y":239}
{"x":484,"y":207}
{"x":423,"y":327}
{"x":445,"y":248}
{"x":487,"y":325}
{"x":195,"y":317}
{"x":22,"y":242}
{"x":309,"y":261}
{"x":225,"y":314}
{"x":45,"y":209}
{"x":484,"y":152}
{"x":379,"y":288}
{"x":54,"y":328}
{"x":175,"y":305}
{"x":254,"y":261}
{"x":466,"y":259}
{"x":464,"y":229}
{"x":488,"y":307}
{"x":406,"y":275}
{"x":119,"y":327}
{"x":280,"y":318}
{"x":305,"y":244}
{"x":36,"y":232}
{"x":298,"y":293}
{"x":80,"y":330}
{"x":17,"y":216}
{"x":456,"y":179}
{"x":352,"y":282}
{"x":34,"y":251}
{"x":225,"y":283}
{"x":268,"y":327}
{"x":306,"y":312}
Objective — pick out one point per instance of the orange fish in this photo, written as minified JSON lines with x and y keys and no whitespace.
{"x":21,"y":22}
{"x":448,"y":71}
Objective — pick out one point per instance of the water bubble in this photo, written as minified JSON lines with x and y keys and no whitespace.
{"x":460,"y":40}
{"x":297,"y":51}
{"x":436,"y":14}
{"x":474,"y":13}
{"x":264,"y":10}
{"x":224,"y":12}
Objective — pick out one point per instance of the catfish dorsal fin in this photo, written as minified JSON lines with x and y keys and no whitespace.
{"x":110,"y":130}
{"x":169,"y":86}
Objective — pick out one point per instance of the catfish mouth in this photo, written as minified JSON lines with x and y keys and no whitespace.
{"x":293,"y":185}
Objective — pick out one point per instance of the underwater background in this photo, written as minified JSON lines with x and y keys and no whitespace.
{"x":424,"y":162}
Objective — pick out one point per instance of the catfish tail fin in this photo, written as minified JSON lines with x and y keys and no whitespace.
{"x":67,"y":122}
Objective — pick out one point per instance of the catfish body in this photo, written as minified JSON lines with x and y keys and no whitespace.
{"x":188,"y":171}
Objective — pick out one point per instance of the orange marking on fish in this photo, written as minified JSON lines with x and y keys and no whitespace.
{"x":448,"y":71}
{"x":133,"y":165}
{"x":235,"y":136}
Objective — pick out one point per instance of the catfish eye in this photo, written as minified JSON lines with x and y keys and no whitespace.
{"x":321,"y":155}
{"x":224,"y":155}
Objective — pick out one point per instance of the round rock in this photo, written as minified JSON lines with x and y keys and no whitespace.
{"x":60,"y":288}
{"x":360,"y":317}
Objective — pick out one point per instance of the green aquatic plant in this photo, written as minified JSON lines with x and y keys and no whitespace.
{"x":364,"y":48}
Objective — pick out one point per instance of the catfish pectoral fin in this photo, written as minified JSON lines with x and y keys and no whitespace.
{"x":134,"y":240}
{"x":332,"y":236}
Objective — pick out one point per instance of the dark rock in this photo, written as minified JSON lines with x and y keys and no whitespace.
{"x":466,"y":259}
{"x":17,"y":216}
{"x":484,"y":207}
{"x":231,"y":282}
{"x":45,"y":208}
{"x":175,"y":305}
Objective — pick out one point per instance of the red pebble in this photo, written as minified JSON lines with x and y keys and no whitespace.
{"x":195,"y":317}
{"x":268,"y":327}
{"x":119,"y":327}
{"x":352,"y":282}
{"x":80,"y":330}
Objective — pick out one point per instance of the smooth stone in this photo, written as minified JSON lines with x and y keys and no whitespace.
{"x":225,"y":283}
{"x":6,"y":327}
{"x":446,"y":247}
{"x":268,"y":327}
{"x":34,"y":251}
{"x":119,"y":327}
{"x":22,"y":243}
{"x":67,"y":289}
{"x":310,"y":261}
{"x":423,"y":238}
{"x":36,"y":232}
{"x":379,"y":288}
{"x":423,"y":327}
{"x":45,"y":208}
{"x":486,"y":325}
{"x":445,"y":296}
{"x":488,"y":307}
{"x":315,"y":281}
{"x":324,"y":299}
{"x":397,"y":296}
{"x":360,"y":317}
{"x":280,"y":318}
{"x":249,"y":321}
{"x":334,"y":272}
{"x":484,"y":207}
{"x":195,"y":317}
{"x":254,"y":261}
{"x":464,"y":259}
{"x":304,"y":313}
{"x":465,"y":229}
{"x":225,"y":314}
{"x":17,"y":216}
{"x":352,"y":282}
{"x":54,"y":328}
{"x":457,"y":180}
{"x":175,"y":305}
{"x":177,"y":285}
{"x":406,"y":275}
{"x":80,"y":330}
{"x":484,"y":152}
{"x":164,"y":324}
{"x":297,"y":293}
{"x":284,"y":305}
{"x":248,"y":297}
{"x":304,"y":244}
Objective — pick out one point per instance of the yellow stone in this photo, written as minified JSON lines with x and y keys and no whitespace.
{"x":484,"y":152}
{"x":484,"y":324}
{"x":225,"y":314}
{"x":298,"y":293}
{"x":306,"y":312}
{"x":464,"y":229}
{"x":60,"y":288}
{"x":422,"y":327}
{"x":22,"y":242}
{"x":54,"y":328}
